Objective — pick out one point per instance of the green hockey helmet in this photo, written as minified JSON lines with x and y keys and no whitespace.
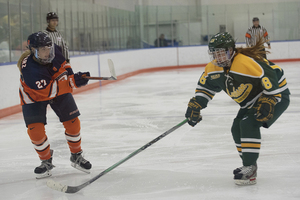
{"x":221,"y":48}
{"x":221,"y":40}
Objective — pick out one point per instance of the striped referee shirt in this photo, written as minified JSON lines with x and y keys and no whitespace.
{"x":254,"y":33}
{"x":57,"y":38}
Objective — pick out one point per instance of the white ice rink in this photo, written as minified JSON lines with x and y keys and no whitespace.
{"x":188,"y":164}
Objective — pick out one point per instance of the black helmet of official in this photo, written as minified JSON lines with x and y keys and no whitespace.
{"x":51,"y":15}
{"x":38,"y":39}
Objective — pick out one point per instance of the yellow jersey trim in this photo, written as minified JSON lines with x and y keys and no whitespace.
{"x":246,"y":66}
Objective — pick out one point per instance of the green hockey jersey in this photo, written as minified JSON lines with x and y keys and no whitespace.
{"x":246,"y":80}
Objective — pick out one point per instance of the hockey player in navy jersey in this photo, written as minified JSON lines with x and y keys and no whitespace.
{"x":256,"y":84}
{"x":47,"y":79}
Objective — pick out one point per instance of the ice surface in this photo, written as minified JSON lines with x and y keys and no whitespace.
{"x":190,"y":163}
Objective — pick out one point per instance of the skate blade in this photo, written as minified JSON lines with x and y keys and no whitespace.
{"x":80,"y":168}
{"x":251,"y":181}
{"x":44,"y":175}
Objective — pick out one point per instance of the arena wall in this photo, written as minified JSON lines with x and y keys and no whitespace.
{"x":129,"y":63}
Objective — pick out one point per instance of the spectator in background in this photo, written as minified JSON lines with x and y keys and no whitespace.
{"x":129,"y":43}
{"x":161,"y":41}
{"x":255,"y":32}
{"x":55,"y":35}
{"x":4,"y":46}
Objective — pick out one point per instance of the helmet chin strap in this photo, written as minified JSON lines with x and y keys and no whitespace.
{"x":36,"y":54}
{"x":233,"y":53}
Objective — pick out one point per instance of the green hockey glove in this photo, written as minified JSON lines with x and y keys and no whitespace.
{"x":265,"y":109}
{"x":193,"y":112}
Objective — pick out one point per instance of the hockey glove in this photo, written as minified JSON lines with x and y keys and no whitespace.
{"x":265,"y":109}
{"x":193,"y":112}
{"x":70,"y":71}
{"x":77,"y":80}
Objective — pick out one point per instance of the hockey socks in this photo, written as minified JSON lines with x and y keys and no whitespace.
{"x":38,"y":137}
{"x":72,"y":133}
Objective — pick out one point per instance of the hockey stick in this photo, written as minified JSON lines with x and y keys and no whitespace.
{"x":73,"y":189}
{"x":112,"y":72}
{"x":98,"y":78}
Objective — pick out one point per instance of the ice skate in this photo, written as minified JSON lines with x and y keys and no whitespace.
{"x":78,"y":162}
{"x":246,"y":176}
{"x":44,"y":170}
{"x":237,"y":170}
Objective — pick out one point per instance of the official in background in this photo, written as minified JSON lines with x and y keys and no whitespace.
{"x":255,"y":32}
{"x":55,"y":35}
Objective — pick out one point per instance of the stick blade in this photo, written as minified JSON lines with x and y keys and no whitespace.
{"x":112,"y":69}
{"x":57,"y":186}
{"x":64,"y":188}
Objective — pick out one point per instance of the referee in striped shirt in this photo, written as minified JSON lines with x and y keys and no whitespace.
{"x":255,"y":32}
{"x":55,"y":35}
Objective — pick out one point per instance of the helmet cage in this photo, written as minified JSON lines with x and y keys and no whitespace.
{"x":44,"y":54}
{"x":221,"y":57}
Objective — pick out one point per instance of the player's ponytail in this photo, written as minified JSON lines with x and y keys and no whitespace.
{"x":20,"y":61}
{"x":256,"y":52}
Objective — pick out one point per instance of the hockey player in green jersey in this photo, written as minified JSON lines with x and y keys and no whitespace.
{"x":256,"y":84}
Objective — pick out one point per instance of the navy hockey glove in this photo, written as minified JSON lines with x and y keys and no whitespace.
{"x":265,"y":109}
{"x":77,"y":80}
{"x":70,"y":71}
{"x":193,"y":112}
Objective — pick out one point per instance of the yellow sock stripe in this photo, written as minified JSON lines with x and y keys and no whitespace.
{"x":253,"y":145}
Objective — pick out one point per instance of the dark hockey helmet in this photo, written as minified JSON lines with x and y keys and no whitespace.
{"x":43,"y":47}
{"x":221,"y":48}
{"x":221,"y":40}
{"x":51,"y":15}
{"x":38,"y":39}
